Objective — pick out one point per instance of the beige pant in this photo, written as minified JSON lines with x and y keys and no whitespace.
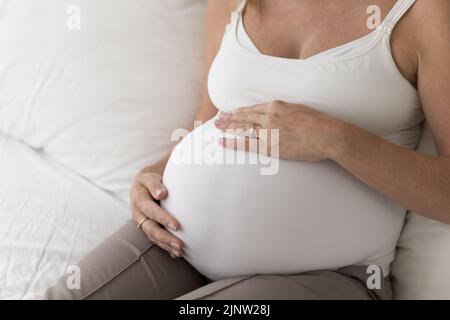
{"x":128,"y":266}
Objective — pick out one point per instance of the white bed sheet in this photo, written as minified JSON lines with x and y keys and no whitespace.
{"x":49,"y":218}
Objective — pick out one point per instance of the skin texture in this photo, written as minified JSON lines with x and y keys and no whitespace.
{"x":297,"y":29}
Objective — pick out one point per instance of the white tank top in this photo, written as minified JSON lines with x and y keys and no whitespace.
{"x":308,"y":216}
{"x":358,"y":82}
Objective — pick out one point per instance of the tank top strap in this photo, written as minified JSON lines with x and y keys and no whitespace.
{"x":240,"y":7}
{"x":235,"y":15}
{"x":397,"y":12}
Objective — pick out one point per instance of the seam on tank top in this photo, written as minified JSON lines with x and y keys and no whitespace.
{"x":316,"y":58}
{"x":108,"y":280}
{"x":223,"y":288}
{"x":378,"y":36}
{"x":382,"y":32}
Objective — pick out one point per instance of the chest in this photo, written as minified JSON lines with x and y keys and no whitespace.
{"x":302,"y":29}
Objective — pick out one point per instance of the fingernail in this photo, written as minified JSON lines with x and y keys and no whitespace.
{"x":175,"y":245}
{"x":172,"y":227}
{"x":221,"y":141}
{"x":224,"y":116}
{"x":159,"y":192}
{"x":175,"y":253}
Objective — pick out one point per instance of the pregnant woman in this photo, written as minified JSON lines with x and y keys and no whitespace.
{"x":335,"y":103}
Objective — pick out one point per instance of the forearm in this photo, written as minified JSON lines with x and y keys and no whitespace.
{"x":417,"y":181}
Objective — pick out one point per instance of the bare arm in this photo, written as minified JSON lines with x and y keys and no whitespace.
{"x":417,"y":181}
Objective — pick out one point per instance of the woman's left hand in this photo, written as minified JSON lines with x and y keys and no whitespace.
{"x":303,"y":133}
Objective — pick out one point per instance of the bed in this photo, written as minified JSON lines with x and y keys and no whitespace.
{"x":81,"y":84}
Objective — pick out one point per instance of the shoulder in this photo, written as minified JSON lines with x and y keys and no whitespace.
{"x":433,"y":38}
{"x":423,"y":35}
{"x":432,"y":20}
{"x":435,"y":9}
{"x":220,"y":9}
{"x":218,"y":15}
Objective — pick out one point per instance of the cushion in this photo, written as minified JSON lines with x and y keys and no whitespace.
{"x":101,"y":100}
{"x":90,"y":92}
{"x":49,"y":219}
{"x":420,"y":269}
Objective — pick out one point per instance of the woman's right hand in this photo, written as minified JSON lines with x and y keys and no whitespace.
{"x":146,"y":190}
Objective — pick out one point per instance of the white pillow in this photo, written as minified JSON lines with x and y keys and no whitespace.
{"x":91,"y":107}
{"x":422,"y":263}
{"x":102,"y":100}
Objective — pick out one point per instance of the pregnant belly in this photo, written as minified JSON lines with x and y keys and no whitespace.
{"x":304,"y":216}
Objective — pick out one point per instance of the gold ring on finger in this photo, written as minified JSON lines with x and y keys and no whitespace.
{"x":253,"y":132}
{"x":139,"y":225}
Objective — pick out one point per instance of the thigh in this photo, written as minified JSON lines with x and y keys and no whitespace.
{"x":129,"y":266}
{"x":347,"y":283}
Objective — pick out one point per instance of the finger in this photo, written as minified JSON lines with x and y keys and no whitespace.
{"x":141,"y":219}
{"x":152,"y":210}
{"x":139,"y":193}
{"x":242,"y":129}
{"x":153,"y":182}
{"x":242,"y":144}
{"x":157,"y":234}
{"x":248,"y":117}
{"x":257,"y":108}
{"x":246,"y":144}
{"x":174,"y":253}
{"x":237,"y":128}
